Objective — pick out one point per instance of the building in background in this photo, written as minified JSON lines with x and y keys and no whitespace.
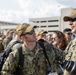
{"x":7,"y":25}
{"x":49,"y":24}
{"x":52,"y":23}
{"x":65,"y":12}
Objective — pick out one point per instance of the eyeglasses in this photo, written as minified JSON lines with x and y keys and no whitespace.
{"x":72,"y":19}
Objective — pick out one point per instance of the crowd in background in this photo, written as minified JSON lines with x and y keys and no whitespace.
{"x":58,"y":38}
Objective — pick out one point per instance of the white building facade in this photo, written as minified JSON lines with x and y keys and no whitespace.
{"x":7,"y":25}
{"x":51,"y":24}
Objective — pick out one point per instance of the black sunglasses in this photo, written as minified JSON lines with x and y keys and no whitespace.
{"x":69,"y":33}
{"x":72,"y":19}
{"x":30,"y":33}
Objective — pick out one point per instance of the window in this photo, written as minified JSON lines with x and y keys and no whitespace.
{"x":37,"y":21}
{"x":43,"y":26}
{"x":52,"y":30}
{"x":53,"y":20}
{"x":43,"y":21}
{"x":33,"y":21}
{"x":52,"y":25}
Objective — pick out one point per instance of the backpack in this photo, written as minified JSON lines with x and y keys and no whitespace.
{"x":4,"y":55}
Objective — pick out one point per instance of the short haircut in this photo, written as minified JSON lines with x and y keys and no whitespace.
{"x":67,"y":30}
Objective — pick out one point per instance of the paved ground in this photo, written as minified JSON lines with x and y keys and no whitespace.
{"x":52,"y":74}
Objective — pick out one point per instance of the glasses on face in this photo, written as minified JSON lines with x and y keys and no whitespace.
{"x":30,"y":33}
{"x":53,"y":39}
{"x":72,"y":19}
{"x":69,"y":33}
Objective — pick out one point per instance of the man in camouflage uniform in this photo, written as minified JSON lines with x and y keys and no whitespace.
{"x":71,"y":48}
{"x":8,"y":38}
{"x":34,"y":59}
{"x":41,"y":34}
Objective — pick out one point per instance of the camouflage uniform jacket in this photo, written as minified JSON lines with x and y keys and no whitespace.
{"x":70,"y":53}
{"x":34,"y":60}
{"x":6,"y":41}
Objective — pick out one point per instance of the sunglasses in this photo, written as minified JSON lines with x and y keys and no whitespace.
{"x":30,"y":33}
{"x":72,"y":19}
{"x":53,"y":39}
{"x":69,"y":33}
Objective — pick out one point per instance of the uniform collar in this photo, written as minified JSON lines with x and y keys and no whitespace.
{"x":27,"y":51}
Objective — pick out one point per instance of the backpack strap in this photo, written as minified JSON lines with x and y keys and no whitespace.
{"x":44,"y":51}
{"x":18,"y":70}
{"x":21,"y":57}
{"x":21,"y":61}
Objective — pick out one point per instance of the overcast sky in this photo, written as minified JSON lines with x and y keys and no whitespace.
{"x":20,"y":11}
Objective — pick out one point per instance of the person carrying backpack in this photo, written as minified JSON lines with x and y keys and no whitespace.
{"x":14,"y":43}
{"x":34,"y":60}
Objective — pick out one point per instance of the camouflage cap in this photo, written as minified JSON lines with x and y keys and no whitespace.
{"x":10,"y":30}
{"x":72,"y":15}
{"x":24,"y":28}
{"x":41,"y":31}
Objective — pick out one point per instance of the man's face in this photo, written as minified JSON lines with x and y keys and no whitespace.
{"x":31,"y":37}
{"x":73,"y":26}
{"x":42,"y":36}
{"x":68,"y":36}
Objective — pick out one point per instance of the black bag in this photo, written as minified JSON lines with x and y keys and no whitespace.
{"x":4,"y":55}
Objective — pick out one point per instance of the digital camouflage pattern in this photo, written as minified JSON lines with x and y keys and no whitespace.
{"x":6,"y":41}
{"x":34,"y":60}
{"x":70,"y":53}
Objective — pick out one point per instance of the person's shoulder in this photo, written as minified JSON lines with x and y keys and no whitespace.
{"x":4,"y":39}
{"x":73,"y":41}
{"x":15,"y":52}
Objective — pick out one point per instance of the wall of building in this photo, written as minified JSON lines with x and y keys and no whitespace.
{"x":7,"y":25}
{"x":52,"y":23}
{"x":49,"y":24}
{"x":64,"y":12}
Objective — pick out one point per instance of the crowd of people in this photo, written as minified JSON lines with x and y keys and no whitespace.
{"x":57,"y":56}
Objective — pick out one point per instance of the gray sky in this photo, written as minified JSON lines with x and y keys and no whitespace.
{"x":20,"y":11}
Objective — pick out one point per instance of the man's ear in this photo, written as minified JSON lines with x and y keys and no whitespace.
{"x":22,"y":37}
